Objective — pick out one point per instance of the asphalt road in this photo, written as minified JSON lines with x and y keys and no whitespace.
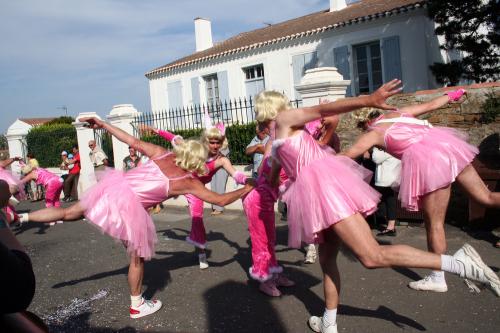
{"x":82,"y":286}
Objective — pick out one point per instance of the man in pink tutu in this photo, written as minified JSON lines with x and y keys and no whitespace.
{"x":328,"y":199}
{"x":118,"y":203}
{"x":432,"y":158}
{"x":214,"y":139}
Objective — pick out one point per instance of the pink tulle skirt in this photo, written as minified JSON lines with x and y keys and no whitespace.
{"x":14,"y":182}
{"x":325,"y":192}
{"x":433,"y":163}
{"x":112,"y":205}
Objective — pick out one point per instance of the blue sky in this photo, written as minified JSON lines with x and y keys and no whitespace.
{"x":89,"y":55}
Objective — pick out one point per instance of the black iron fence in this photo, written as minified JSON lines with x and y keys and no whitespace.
{"x":104,"y":140}
{"x":239,"y":111}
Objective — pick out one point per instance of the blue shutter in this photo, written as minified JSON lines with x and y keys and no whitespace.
{"x":224,"y":93}
{"x":341,"y":61}
{"x":254,"y":87}
{"x":391,"y":58}
{"x":195,"y":92}
{"x":174,"y":93}
{"x":298,"y":70}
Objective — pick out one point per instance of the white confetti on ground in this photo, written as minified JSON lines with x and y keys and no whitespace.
{"x":75,"y":308}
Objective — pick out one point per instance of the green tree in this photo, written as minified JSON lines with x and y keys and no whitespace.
{"x":469,"y":26}
{"x":3,"y":142}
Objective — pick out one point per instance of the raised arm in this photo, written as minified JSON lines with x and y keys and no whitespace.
{"x":169,"y":136}
{"x":299,"y":117}
{"x":364,"y":143}
{"x":436,"y":103}
{"x":146,"y":148}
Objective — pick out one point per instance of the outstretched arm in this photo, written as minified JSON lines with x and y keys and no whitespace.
{"x":299,"y":117}
{"x":169,"y":136}
{"x":29,"y":177}
{"x":436,"y":103}
{"x":225,"y":163}
{"x":196,"y":188}
{"x":364,"y":143}
{"x":9,"y":161}
{"x":146,"y":148}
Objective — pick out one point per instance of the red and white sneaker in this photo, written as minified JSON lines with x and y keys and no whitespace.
{"x":147,"y":307}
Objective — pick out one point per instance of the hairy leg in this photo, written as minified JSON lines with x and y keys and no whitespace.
{"x":51,"y":214}
{"x":475,"y":187}
{"x":135,"y":275}
{"x":434,"y":206}
{"x":356,"y":234}
{"x":328,"y":252}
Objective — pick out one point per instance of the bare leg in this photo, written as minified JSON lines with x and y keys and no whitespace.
{"x":475,"y":187}
{"x":135,"y":275}
{"x":51,"y":214}
{"x":435,"y":205}
{"x":328,"y":252}
{"x":356,"y":234}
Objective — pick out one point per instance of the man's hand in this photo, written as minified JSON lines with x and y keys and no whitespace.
{"x":93,"y":122}
{"x":377,"y":99}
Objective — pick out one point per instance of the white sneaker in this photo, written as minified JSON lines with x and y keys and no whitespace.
{"x":52,"y":224}
{"x":311,"y":254}
{"x":476,"y":269}
{"x":318,"y":325}
{"x":203,"y":261}
{"x":428,"y":284}
{"x":147,"y":307}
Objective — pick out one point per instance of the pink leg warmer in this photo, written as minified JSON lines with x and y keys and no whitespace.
{"x":197,"y":236}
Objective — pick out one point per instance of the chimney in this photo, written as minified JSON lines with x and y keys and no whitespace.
{"x":203,"y":33}
{"x":336,"y":5}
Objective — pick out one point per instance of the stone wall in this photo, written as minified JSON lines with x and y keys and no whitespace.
{"x":465,"y":115}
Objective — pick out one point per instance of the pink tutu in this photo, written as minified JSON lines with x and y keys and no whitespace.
{"x":113,"y":206}
{"x":433,"y":163}
{"x":326,"y":191}
{"x":13,"y":181}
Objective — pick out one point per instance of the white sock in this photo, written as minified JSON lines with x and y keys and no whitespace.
{"x":135,"y":301}
{"x":438,"y":276}
{"x":330,"y":317}
{"x":23,"y":218}
{"x":451,"y":265}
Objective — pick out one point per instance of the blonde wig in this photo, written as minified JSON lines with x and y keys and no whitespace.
{"x":191,"y":156}
{"x":213,"y":133}
{"x":364,"y":115}
{"x":268,"y":104}
{"x":26,"y":169}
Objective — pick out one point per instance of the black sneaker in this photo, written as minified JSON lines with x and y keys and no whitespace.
{"x":387,"y":232}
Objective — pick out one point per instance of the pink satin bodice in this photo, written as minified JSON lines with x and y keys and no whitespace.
{"x":149,"y":183}
{"x":297,"y":151}
{"x":399,"y":137}
{"x":205,"y":179}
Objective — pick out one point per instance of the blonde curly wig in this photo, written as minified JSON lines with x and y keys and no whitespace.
{"x":191,"y":156}
{"x":268,"y":103}
{"x":26,"y":169}
{"x":213,"y":133}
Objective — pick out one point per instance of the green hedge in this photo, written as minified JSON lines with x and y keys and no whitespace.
{"x":239,"y":136}
{"x":47,"y":141}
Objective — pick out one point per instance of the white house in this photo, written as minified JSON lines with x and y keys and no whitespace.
{"x":369,"y":41}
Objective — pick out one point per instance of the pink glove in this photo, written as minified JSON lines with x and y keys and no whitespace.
{"x":455,"y":95}
{"x":169,"y":136}
{"x":240,"y":178}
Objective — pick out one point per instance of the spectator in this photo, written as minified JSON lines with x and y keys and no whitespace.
{"x":387,"y":177}
{"x":17,"y":279}
{"x":71,"y":182}
{"x":132,"y":160}
{"x":36,"y":191}
{"x":257,"y":146}
{"x":63,"y":166}
{"x":97,"y":156}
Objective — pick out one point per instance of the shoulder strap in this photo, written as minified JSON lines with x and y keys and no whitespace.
{"x":406,"y":120}
{"x":162,"y":156}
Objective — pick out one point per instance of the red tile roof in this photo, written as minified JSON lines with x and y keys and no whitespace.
{"x":311,"y":24}
{"x":36,"y":121}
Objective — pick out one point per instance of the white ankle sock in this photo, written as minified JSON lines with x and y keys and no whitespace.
{"x":452,"y":265}
{"x":438,"y":276}
{"x":330,"y":317}
{"x":23,"y":217}
{"x":135,"y":301}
